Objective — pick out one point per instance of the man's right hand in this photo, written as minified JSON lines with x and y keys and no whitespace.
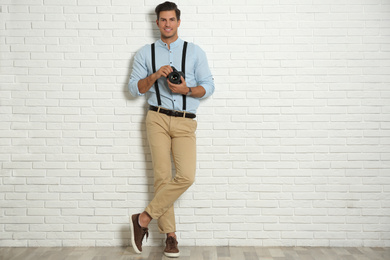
{"x":145,"y":84}
{"x":164,"y":71}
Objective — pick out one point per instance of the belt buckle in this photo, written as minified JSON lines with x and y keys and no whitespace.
{"x":175,"y":113}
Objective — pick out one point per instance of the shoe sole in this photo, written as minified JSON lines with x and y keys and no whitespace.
{"x":172,"y":254}
{"x":133,"y":237}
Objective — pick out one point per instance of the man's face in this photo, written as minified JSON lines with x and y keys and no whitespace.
{"x":168,"y":24}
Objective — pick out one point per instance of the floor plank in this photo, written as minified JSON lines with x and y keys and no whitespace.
{"x":196,"y":253}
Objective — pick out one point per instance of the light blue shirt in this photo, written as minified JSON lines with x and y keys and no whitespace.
{"x":197,"y":73}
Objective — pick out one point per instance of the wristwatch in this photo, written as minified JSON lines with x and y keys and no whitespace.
{"x":189,"y":92}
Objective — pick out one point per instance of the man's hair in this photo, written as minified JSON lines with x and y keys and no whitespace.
{"x":167,"y":6}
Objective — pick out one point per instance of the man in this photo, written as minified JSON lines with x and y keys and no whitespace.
{"x":170,"y":123}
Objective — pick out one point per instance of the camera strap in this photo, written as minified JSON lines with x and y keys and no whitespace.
{"x":183,"y":67}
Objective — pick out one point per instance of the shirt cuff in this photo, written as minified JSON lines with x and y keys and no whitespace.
{"x":209,"y":90}
{"x":133,"y":88}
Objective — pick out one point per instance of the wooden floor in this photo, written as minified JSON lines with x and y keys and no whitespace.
{"x":196,"y":253}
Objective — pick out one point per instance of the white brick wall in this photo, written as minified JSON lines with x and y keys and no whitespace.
{"x":294,"y":146}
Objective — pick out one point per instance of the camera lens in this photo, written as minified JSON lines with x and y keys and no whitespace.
{"x":174,"y":77}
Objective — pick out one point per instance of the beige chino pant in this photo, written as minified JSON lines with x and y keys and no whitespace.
{"x":170,"y":135}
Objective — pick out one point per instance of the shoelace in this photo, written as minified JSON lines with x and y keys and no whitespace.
{"x":145,"y":231}
{"x":171,"y":242}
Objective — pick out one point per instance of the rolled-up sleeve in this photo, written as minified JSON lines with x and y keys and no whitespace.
{"x":140,"y":71}
{"x":203,"y":74}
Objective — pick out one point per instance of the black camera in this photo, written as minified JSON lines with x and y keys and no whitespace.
{"x":174,"y":77}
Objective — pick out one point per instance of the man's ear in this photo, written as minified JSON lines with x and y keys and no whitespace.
{"x":178,"y":23}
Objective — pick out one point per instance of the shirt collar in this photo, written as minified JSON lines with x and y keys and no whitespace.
{"x":173,"y":45}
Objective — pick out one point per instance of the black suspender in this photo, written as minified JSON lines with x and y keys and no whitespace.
{"x":183,"y":67}
{"x":154,"y":70}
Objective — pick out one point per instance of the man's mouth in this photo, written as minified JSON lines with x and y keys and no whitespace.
{"x":167,"y":29}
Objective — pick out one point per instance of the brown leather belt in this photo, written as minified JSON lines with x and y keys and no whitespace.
{"x":172,"y":112}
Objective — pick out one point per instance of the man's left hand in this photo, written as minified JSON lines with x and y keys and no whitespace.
{"x":179,"y":88}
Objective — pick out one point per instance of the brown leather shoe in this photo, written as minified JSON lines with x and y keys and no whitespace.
{"x":137,"y":233}
{"x":171,"y":249}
